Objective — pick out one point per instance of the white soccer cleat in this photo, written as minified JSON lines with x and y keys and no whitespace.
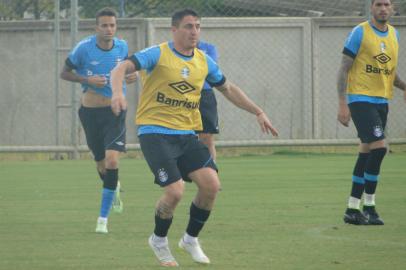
{"x":162,"y":253}
{"x":101,"y":226}
{"x":117,"y":205}
{"x":195,"y":250}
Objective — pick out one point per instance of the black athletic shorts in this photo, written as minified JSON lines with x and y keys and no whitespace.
{"x":370,"y":120}
{"x":103,"y":129}
{"x":172,"y":157}
{"x":208,"y":110}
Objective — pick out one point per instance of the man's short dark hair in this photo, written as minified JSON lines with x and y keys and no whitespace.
{"x":107,"y":11}
{"x":179,"y":15}
{"x":373,"y":1}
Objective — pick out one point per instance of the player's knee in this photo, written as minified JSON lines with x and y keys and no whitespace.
{"x":174,"y":192}
{"x":215,"y":189}
{"x":111,"y":159}
{"x":176,"y":196}
{"x":212,"y":188}
{"x":376,"y":144}
{"x":111,"y":163}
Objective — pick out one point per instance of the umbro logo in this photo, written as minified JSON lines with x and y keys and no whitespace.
{"x":94,"y":63}
{"x":182,"y":87}
{"x":120,"y":143}
{"x":382,"y":58}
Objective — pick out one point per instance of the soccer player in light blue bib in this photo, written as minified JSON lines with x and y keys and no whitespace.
{"x":92,"y":59}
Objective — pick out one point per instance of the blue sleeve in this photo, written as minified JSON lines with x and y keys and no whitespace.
{"x":353,"y":41}
{"x":212,"y":52}
{"x":147,"y":58}
{"x":125,"y":53}
{"x":76,"y":56}
{"x":214,"y":77}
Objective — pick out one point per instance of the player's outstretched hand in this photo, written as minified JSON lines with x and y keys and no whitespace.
{"x":118,"y":103}
{"x":266,"y":125}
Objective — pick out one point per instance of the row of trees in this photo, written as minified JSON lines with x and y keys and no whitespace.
{"x":44,"y":9}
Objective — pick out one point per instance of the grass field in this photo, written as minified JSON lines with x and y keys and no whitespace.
{"x":281,"y":211}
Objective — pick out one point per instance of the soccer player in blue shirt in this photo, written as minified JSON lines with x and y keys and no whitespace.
{"x":366,"y":78}
{"x":173,"y":74}
{"x":92,"y":59}
{"x":208,"y":105}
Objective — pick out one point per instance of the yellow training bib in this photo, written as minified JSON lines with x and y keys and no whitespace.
{"x":170,"y":93}
{"x":374,"y":69}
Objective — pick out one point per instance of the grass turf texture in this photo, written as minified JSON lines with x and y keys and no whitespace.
{"x":282,"y":211}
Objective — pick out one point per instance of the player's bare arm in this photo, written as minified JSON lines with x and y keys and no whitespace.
{"x":343,"y":115}
{"x":234,"y":94}
{"x":118,"y":101}
{"x":68,"y":75}
{"x":401,"y":85}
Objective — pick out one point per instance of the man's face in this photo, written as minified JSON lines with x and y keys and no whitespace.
{"x":106,"y":28}
{"x":187,"y":33}
{"x":382,"y":10}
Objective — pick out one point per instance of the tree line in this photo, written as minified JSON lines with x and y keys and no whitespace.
{"x":44,"y":9}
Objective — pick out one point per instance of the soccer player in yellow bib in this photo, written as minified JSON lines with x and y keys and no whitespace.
{"x":365,"y":84}
{"x":172,"y":76}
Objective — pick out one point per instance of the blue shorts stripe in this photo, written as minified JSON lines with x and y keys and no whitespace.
{"x":358,"y":180}
{"x":207,"y":162}
{"x":119,"y":136}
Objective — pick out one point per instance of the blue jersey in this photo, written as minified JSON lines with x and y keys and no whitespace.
{"x":90,"y":60}
{"x":211,"y":51}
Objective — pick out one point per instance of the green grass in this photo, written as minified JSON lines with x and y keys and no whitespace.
{"x":274,"y":212}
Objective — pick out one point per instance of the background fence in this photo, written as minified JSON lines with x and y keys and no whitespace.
{"x":288,"y":65}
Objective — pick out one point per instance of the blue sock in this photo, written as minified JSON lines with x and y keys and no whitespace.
{"x":107,"y":200}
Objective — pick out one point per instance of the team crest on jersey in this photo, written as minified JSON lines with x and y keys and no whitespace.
{"x":162,"y":175}
{"x":383,"y":47}
{"x":185,"y":72}
{"x":378,"y":131}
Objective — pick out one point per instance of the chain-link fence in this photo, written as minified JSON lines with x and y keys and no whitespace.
{"x":284,"y":55}
{"x":44,"y":9}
